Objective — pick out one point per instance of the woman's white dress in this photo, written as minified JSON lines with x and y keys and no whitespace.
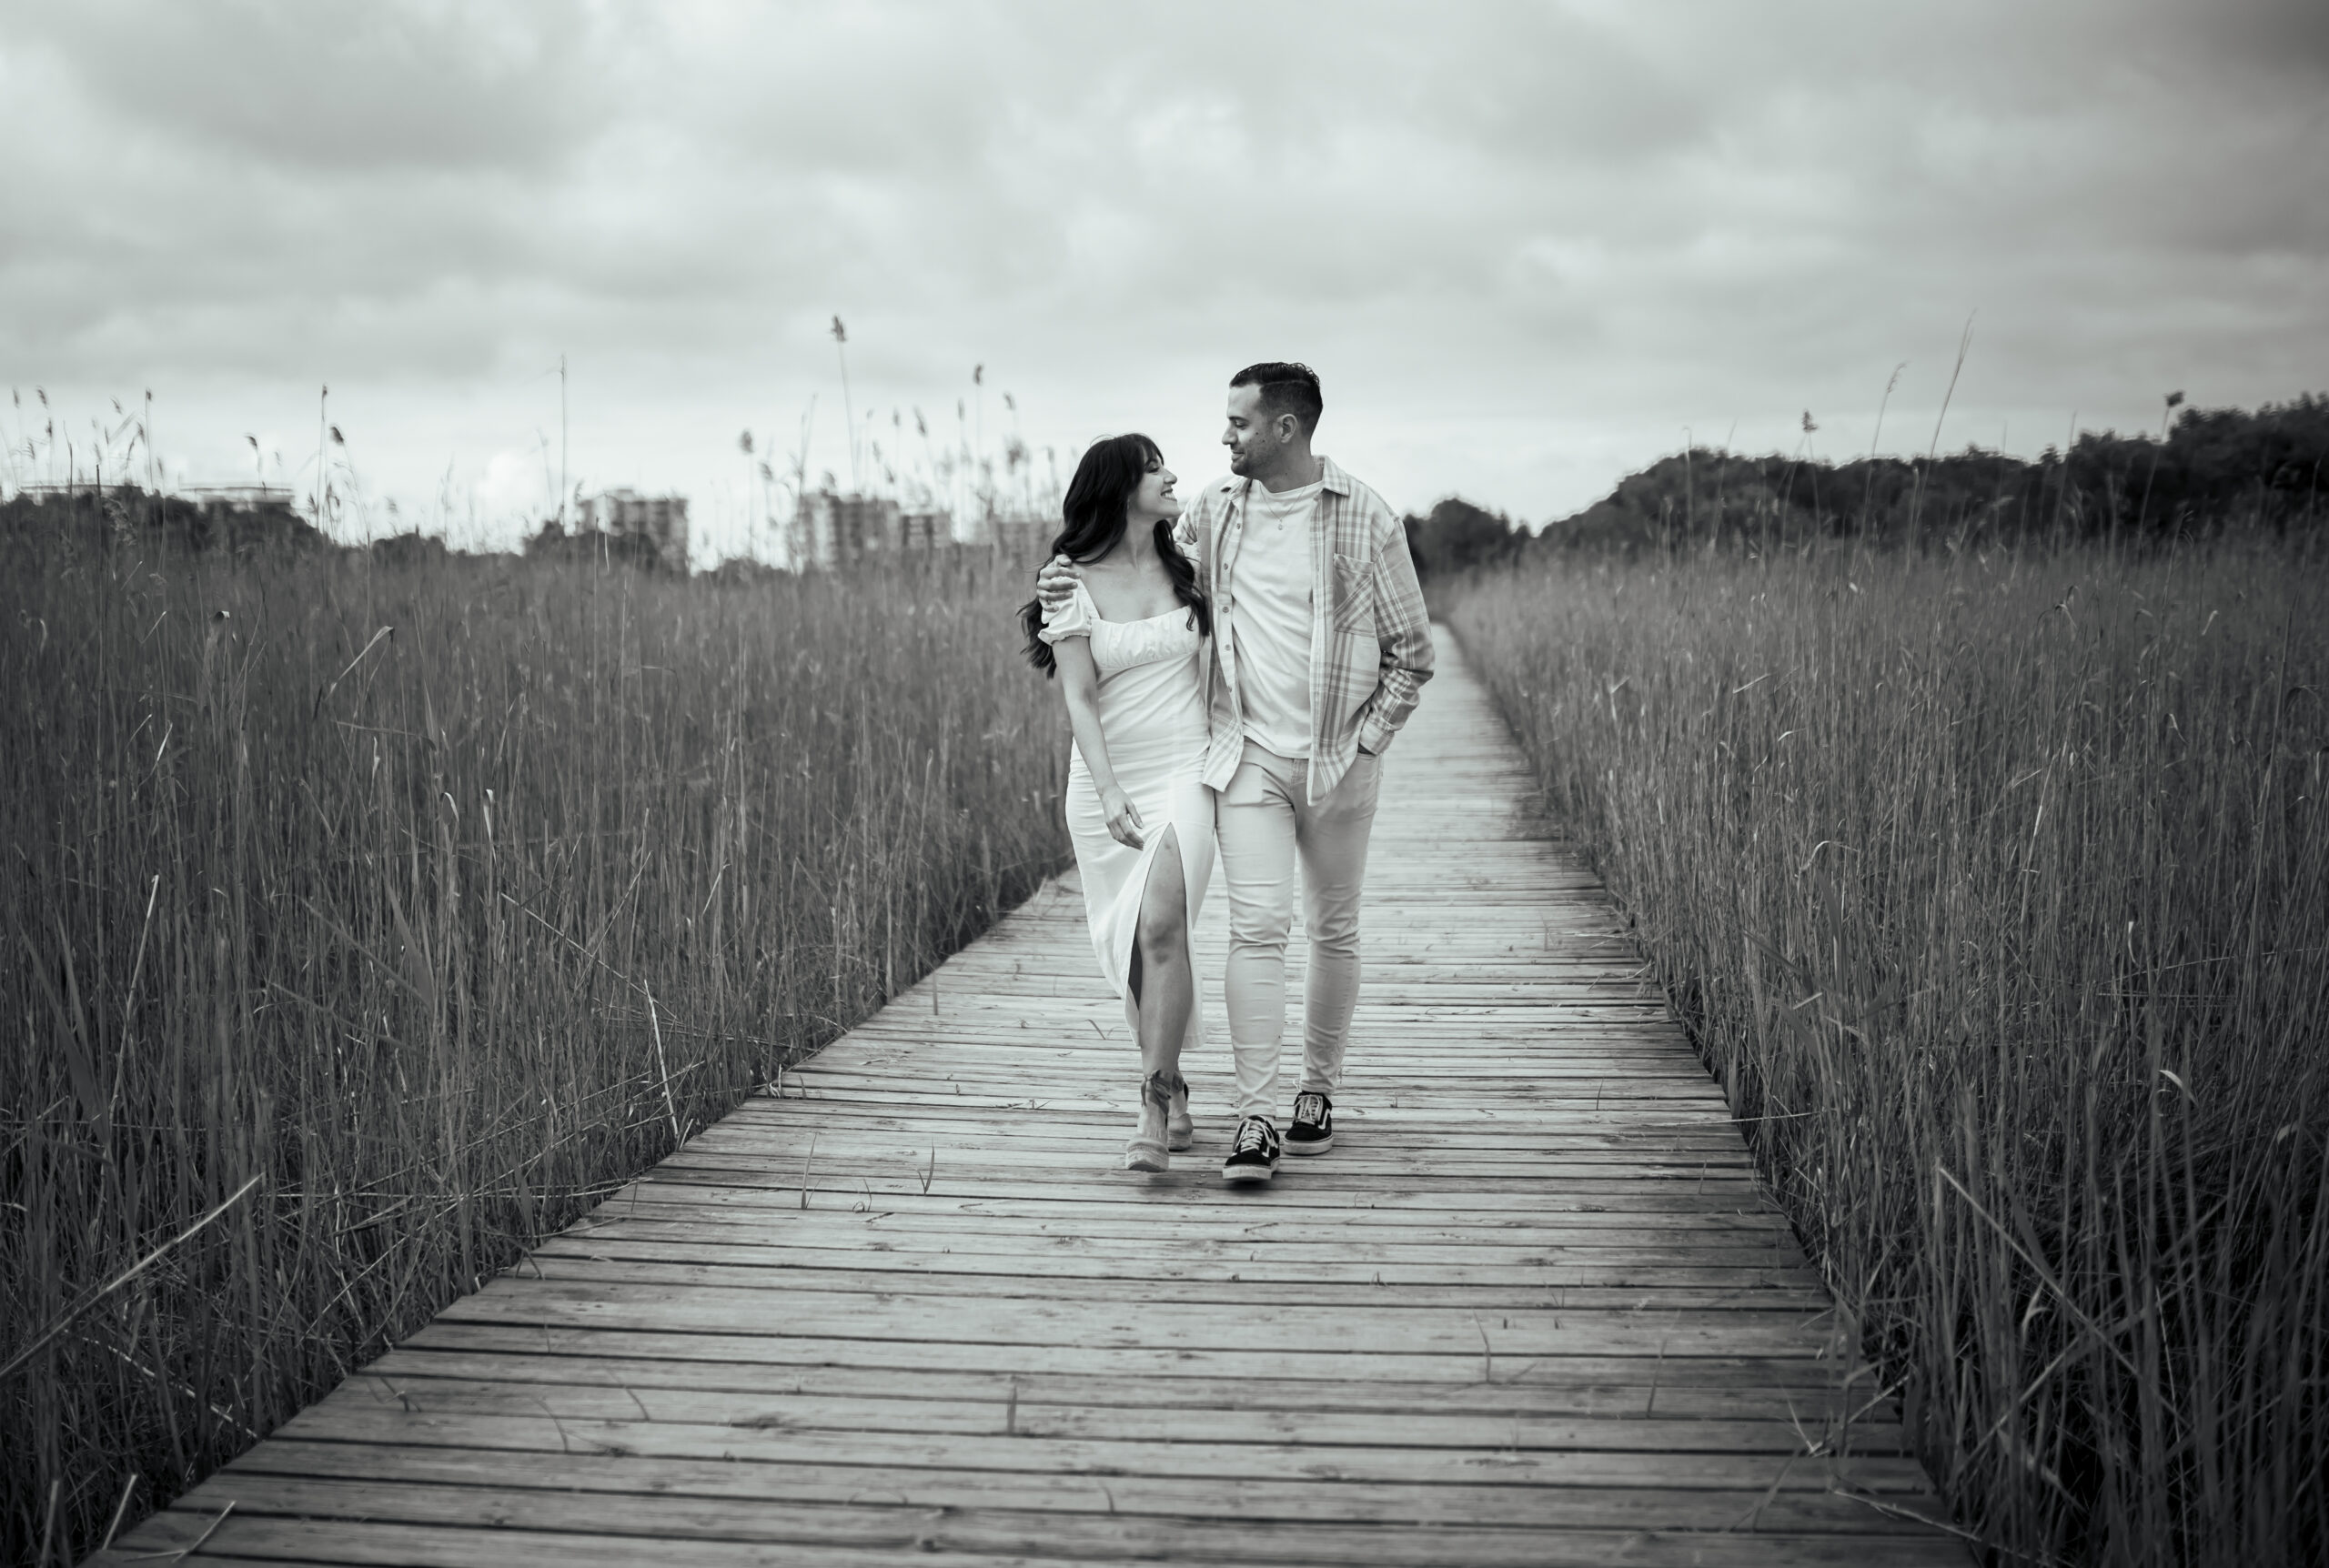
{"x":1153,"y":717}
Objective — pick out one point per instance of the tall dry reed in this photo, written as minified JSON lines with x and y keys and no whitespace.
{"x":1996,"y":891}
{"x":385,"y":918}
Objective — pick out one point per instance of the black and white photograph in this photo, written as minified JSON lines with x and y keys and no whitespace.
{"x":1500,"y":784}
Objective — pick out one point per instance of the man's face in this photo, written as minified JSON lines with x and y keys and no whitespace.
{"x":1251,"y":437}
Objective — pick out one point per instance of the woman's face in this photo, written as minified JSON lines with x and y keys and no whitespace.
{"x":1155,"y":498}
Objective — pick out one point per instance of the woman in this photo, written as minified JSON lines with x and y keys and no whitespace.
{"x":1126,"y":649}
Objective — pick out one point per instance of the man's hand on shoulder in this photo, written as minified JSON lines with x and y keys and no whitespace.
{"x":1055,"y":584}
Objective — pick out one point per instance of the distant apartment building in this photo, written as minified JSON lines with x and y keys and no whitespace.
{"x":1016,"y":536}
{"x":831,"y":530}
{"x":657,"y":522}
{"x":925,"y":530}
{"x":237,"y":498}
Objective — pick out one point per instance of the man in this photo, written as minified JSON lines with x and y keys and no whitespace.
{"x":1320,"y":648}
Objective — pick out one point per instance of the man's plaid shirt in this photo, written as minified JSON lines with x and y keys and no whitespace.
{"x":1370,"y":639}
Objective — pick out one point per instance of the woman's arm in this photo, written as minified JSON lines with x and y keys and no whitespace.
{"x":1079,"y":683}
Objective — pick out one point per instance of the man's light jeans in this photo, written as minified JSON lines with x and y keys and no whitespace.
{"x":1263,"y":822}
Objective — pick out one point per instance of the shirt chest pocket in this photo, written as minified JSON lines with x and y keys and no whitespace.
{"x":1354,"y":586}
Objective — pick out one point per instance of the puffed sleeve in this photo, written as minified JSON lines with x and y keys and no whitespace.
{"x":1074,"y":620}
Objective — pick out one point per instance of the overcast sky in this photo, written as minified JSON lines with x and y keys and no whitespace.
{"x":1527,"y":246}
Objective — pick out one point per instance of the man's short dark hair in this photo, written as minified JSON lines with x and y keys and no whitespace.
{"x":1286,"y":388}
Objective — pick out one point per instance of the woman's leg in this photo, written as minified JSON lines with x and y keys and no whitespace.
{"x":1163,"y":987}
{"x":1166,"y":984}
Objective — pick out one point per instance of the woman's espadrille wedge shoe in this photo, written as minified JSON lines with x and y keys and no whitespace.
{"x":1148,"y":1150}
{"x":1180,"y":1127}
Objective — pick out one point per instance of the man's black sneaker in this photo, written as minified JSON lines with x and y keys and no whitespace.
{"x":1254,"y":1156}
{"x":1313,"y":1129}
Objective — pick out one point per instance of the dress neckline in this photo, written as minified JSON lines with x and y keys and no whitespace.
{"x":1177,"y":609}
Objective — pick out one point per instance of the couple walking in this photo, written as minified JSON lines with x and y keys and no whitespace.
{"x":1233,"y":671}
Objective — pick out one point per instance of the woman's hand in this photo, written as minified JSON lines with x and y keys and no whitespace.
{"x":1124,"y":817}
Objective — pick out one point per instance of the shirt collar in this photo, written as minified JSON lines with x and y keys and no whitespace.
{"x":1332,"y":480}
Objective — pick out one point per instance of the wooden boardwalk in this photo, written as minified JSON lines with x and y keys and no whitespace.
{"x":1534,"y":1310}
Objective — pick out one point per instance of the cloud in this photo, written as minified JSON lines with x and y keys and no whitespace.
{"x":339,"y":84}
{"x":514,"y":481}
{"x":1527,"y":243}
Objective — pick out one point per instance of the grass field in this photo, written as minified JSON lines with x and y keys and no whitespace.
{"x":1996,"y":891}
{"x":364,"y":922}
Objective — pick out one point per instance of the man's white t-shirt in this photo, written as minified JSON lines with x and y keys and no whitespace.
{"x":1270,"y":621}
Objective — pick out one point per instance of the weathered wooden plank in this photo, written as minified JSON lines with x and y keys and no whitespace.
{"x":754,"y":1163}
{"x":1315,"y":1201}
{"x":640,"y":1531}
{"x":966,"y":1320}
{"x":830,"y":1458}
{"x":1572,"y":1389}
{"x":1535,"y":1309}
{"x":800,"y":1245}
{"x":1644,"y":1363}
{"x":386,"y":1400}
{"x":938,"y":1278}
{"x":749,"y":1216}
{"x":1482,"y":1131}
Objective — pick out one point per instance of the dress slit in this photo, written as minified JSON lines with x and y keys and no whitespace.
{"x":1122,"y":924}
{"x":1188,"y":913}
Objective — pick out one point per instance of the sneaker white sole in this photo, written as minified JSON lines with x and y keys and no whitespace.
{"x":1243,"y":1175}
{"x":1318,"y":1145}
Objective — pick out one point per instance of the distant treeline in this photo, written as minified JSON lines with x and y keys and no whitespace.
{"x":2218,"y":469}
{"x":119,"y":514}
{"x":124,"y":517}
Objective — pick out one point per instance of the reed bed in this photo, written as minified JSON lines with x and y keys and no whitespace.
{"x":365,"y":923}
{"x":1995,"y":891}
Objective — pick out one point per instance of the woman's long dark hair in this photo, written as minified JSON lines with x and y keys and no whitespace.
{"x":1094,"y":518}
